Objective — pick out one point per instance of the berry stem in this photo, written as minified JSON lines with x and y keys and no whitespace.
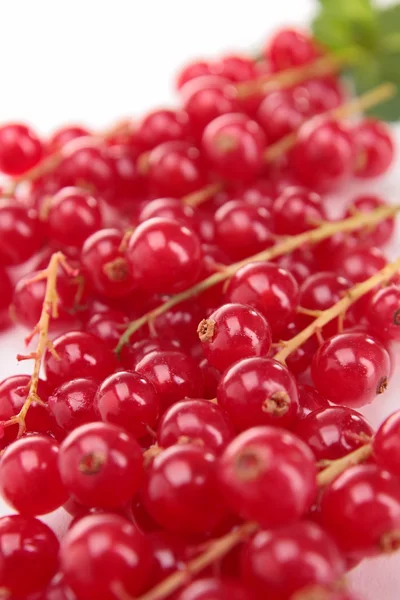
{"x":49,"y":310}
{"x":341,"y":464}
{"x":337,"y":309}
{"x":322,"y":232}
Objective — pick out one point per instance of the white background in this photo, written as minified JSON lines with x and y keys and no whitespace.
{"x":96,"y":61}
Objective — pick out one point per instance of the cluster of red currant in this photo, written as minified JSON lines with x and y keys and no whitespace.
{"x":205,"y":331}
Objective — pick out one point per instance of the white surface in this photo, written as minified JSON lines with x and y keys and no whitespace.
{"x":94,"y":62}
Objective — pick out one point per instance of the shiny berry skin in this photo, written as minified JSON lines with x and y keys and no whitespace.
{"x":381,"y":233}
{"x":128,"y":400}
{"x":96,"y":571}
{"x":29,"y":477}
{"x":383,"y":313}
{"x":269,"y":289}
{"x":168,"y":208}
{"x":142,"y":348}
{"x":105,"y":266}
{"x":131,"y":184}
{"x":362,"y":494}
{"x":21,"y":233}
{"x":290,"y":48}
{"x":323,"y":155}
{"x":233,"y":332}
{"x":374,"y":146}
{"x":28,"y":547}
{"x":260,"y":193}
{"x":180,"y":490}
{"x":108,"y":326}
{"x":297,"y":210}
{"x":334,"y":432}
{"x":165,"y":256}
{"x":214,"y":588}
{"x":309,"y":400}
{"x":300,"y":359}
{"x":20,"y":149}
{"x":234,"y":147}
{"x":242,"y":230}
{"x":175,"y":169}
{"x":79,"y":355}
{"x":72,"y":404}
{"x":258,"y":391}
{"x":386,"y":446}
{"x":6,"y":288}
{"x":57,"y":590}
{"x":197,"y":422}
{"x":179,"y":325}
{"x":161,"y":126}
{"x":351,"y":369}
{"x":279,"y":114}
{"x":300,"y":263}
{"x":320,"y":94}
{"x":192,"y":70}
{"x":359,"y":263}
{"x":277,"y":564}
{"x":236,"y":68}
{"x":13,"y":393}
{"x":268,"y":475}
{"x":173,"y":374}
{"x":73,"y":216}
{"x":64,"y":135}
{"x":101,"y":465}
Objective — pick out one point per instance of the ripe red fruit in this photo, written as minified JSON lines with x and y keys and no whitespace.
{"x":65,"y":134}
{"x":20,"y":149}
{"x":101,"y":465}
{"x":108,"y":326}
{"x":309,"y":400}
{"x":359,"y":263}
{"x":168,"y":208}
{"x":297,"y":210}
{"x":381,"y":233}
{"x":374,"y":147}
{"x":383,"y":313}
{"x":72,"y":404}
{"x":159,"y":126}
{"x":385,"y":444}
{"x":29,"y":478}
{"x":21,"y":233}
{"x":280,"y":113}
{"x":192,"y":70}
{"x":268,"y":475}
{"x":216,"y":589}
{"x":5,"y":299}
{"x":290,"y":48}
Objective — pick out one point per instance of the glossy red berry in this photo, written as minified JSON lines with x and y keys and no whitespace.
{"x":28,"y":555}
{"x":131,"y":184}
{"x":234,"y":332}
{"x":268,"y":475}
{"x":269,"y":289}
{"x":279,"y":114}
{"x":216,"y":589}
{"x":360,"y":262}
{"x":101,"y":465}
{"x":351,"y":369}
{"x":320,"y":94}
{"x":334,"y":432}
{"x":21,"y":233}
{"x":277,"y":564}
{"x":386,"y":444}
{"x":159,"y":126}
{"x":383,"y":313}
{"x":362,"y":494}
{"x":374,"y":147}
{"x":310,"y":400}
{"x":173,"y":374}
{"x":290,"y":48}
{"x":300,"y":263}
{"x":297,"y":210}
{"x":197,"y":422}
{"x":381,"y":233}
{"x":188,"y":503}
{"x":179,"y":325}
{"x":192,"y":70}
{"x":62,"y":136}
{"x":165,"y":256}
{"x":242,"y":230}
{"x":5,"y":299}
{"x":236,"y":67}
{"x":72,"y":404}
{"x":234,"y":146}
{"x":141,"y":348}
{"x":168,"y":208}
{"x":20,"y":149}
{"x":105,"y":266}
{"x":260,"y":193}
{"x":29,"y":478}
{"x":258,"y":391}
{"x":73,"y":216}
{"x":96,"y":571}
{"x":130,"y":401}
{"x":108,"y":326}
{"x":79,"y":355}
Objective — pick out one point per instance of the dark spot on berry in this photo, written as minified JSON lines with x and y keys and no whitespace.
{"x":396,"y":317}
{"x":206,"y":330}
{"x":249,"y":465}
{"x":382,"y":385}
{"x":117,"y":270}
{"x":91,"y":464}
{"x":390,"y":542}
{"x":277,"y":404}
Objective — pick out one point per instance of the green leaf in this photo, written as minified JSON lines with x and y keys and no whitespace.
{"x":389,"y":20}
{"x":378,"y":69}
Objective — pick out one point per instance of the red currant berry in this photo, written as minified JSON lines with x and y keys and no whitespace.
{"x":360,"y":263}
{"x":297,"y":210}
{"x":179,"y":325}
{"x":258,"y":391}
{"x":128,"y":400}
{"x":20,"y":149}
{"x":234,"y":146}
{"x":300,"y":359}
{"x":236,"y":68}
{"x":169,"y":554}
{"x":383,"y":313}
{"x":309,"y":400}
{"x":79,"y":354}
{"x":362,"y":494}
{"x":319,"y":94}
{"x":108,"y":326}
{"x":213,"y":588}
{"x":300,"y":263}
{"x":135,"y":353}
{"x":21,"y":233}
{"x":277,"y":564}
{"x":175,"y":169}
{"x":161,"y":126}
{"x":351,"y":369}
{"x":290,"y":48}
{"x":242,"y":230}
{"x":5,"y":299}
{"x":261,"y":194}
{"x":168,"y":208}
{"x":192,"y":70}
{"x":268,"y":475}
{"x":72,"y":404}
{"x":386,"y":444}
{"x":121,"y":563}
{"x":374,"y":147}
{"x":164,"y":255}
{"x":101,"y":465}
{"x":198,"y":422}
{"x":105,"y":266}
{"x":63,"y":135}
{"x":185,"y":504}
{"x":269,"y":289}
{"x":28,"y":555}
{"x":131,"y":185}
{"x":280,"y":114}
{"x":29,"y":478}
{"x":173,"y":374}
{"x":72,"y":217}
{"x":380,"y":234}
{"x":323,"y":155}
